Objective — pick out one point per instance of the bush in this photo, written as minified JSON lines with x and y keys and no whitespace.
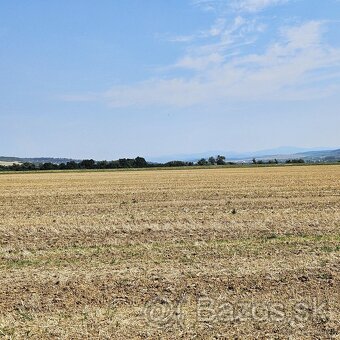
{"x":202,"y":161}
{"x":295,"y":161}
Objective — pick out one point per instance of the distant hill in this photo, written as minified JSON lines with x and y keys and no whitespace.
{"x":9,"y":159}
{"x":5,"y":163}
{"x":284,"y":152}
{"x":326,"y":155}
{"x":12,"y":160}
{"x":309,"y":156}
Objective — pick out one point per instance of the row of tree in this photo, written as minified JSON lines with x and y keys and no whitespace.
{"x":124,"y":163}
{"x":138,"y":162}
{"x":295,"y":161}
{"x":219,"y":160}
{"x":275,"y":161}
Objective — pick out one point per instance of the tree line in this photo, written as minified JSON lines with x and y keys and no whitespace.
{"x":138,"y":162}
{"x":126,"y":163}
{"x":123,"y":163}
{"x":275,"y":161}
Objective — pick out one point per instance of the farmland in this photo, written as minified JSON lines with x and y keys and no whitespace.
{"x":221,"y":252}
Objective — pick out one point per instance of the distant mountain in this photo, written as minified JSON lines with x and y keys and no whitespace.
{"x":36,"y":160}
{"x":237,"y":156}
{"x":9,"y":159}
{"x":283,"y":150}
{"x":185,"y":157}
{"x":309,"y":156}
{"x":325,"y":155}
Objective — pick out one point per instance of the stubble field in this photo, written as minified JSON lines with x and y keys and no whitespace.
{"x":210,"y":253}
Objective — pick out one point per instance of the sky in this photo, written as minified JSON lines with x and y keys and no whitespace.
{"x":121,"y":78}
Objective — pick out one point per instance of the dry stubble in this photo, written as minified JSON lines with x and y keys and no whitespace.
{"x":168,"y":253}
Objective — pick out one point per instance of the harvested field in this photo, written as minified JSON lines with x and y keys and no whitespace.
{"x":213,"y":253}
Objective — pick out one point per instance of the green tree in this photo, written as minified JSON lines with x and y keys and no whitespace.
{"x":220,"y":160}
{"x":72,"y":165}
{"x":140,"y":162}
{"x":48,"y":166}
{"x":202,"y":161}
{"x":102,"y":165}
{"x":87,"y":164}
{"x":212,"y":160}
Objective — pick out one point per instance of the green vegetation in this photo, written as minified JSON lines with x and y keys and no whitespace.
{"x":123,"y":163}
{"x":138,"y":162}
{"x":300,"y":160}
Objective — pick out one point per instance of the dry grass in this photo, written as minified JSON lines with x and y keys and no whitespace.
{"x":134,"y":254}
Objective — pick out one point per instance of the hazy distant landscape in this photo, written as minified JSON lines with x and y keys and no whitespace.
{"x":323,"y":156}
{"x":283,"y":153}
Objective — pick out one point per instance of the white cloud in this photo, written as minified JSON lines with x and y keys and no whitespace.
{"x":294,"y":66}
{"x":200,"y":63}
{"x":282,"y":72}
{"x":255,"y":5}
{"x":221,"y":40}
{"x":182,"y":38}
{"x":238,"y":5}
{"x":304,"y":36}
{"x":210,"y":5}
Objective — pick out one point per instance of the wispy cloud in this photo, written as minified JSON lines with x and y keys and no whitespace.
{"x":210,"y":5}
{"x":255,"y":5}
{"x":293,"y":66}
{"x":221,"y":41}
{"x":237,"y":5}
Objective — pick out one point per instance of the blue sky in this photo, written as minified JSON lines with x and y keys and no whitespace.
{"x":121,"y":78}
